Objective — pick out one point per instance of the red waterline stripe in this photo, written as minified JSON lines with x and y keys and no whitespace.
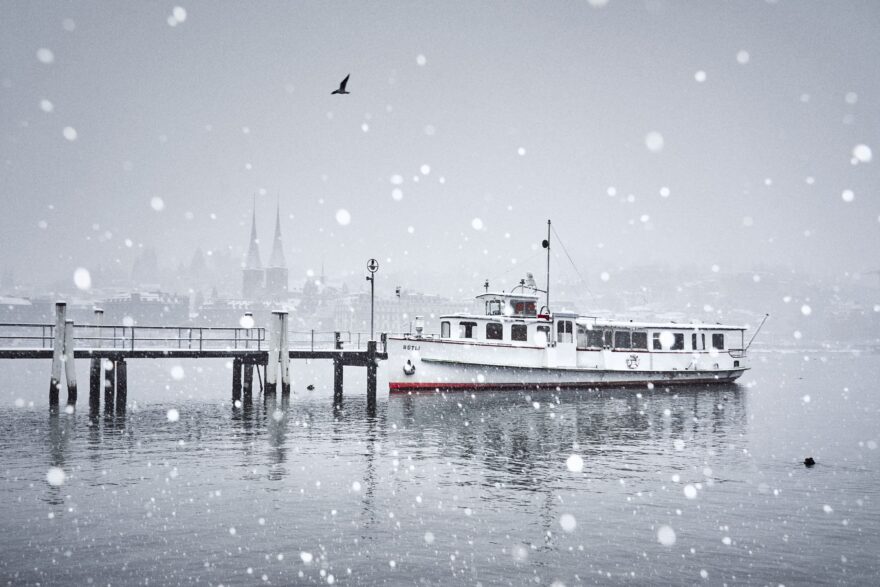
{"x":407,"y":387}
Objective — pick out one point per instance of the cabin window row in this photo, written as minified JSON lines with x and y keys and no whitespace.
{"x":619,"y":339}
{"x":588,"y":337}
{"x":638,"y":340}
{"x":494,"y":331}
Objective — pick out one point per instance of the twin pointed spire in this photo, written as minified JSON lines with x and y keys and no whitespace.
{"x":253,"y":255}
{"x":277,"y":258}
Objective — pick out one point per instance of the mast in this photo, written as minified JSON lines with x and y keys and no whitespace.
{"x":546,"y":244}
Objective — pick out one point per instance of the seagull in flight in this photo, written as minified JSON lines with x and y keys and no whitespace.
{"x":341,"y":89}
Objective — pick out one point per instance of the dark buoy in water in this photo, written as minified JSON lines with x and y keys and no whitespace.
{"x":809,"y":462}
{"x":311,"y":387}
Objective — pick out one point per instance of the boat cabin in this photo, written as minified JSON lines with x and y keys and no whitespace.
{"x":510,"y":318}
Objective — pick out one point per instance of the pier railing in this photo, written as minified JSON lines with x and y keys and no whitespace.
{"x":136,"y":337}
{"x":92,"y":336}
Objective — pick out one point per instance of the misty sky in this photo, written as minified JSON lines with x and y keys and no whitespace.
{"x":510,"y":113}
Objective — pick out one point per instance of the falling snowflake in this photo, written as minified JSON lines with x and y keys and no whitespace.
{"x":654,"y":141}
{"x":82,"y":279}
{"x":45,"y":56}
{"x":862,"y":153}
{"x":666,"y":536}
{"x":568,"y":522}
{"x":56,"y":476}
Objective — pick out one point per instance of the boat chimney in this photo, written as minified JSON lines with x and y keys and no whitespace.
{"x":419,"y":325}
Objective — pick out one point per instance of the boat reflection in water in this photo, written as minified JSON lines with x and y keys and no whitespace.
{"x":518,"y":438}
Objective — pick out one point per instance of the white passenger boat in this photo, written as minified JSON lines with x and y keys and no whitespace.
{"x":513,"y":344}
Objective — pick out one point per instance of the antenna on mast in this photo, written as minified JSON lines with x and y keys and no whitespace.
{"x":546,"y":245}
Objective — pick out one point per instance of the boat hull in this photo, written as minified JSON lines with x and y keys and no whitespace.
{"x":418,"y":371}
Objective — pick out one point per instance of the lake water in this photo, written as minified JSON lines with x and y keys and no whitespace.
{"x":686,"y":486}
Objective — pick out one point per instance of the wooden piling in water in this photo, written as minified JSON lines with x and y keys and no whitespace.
{"x":95,"y":384}
{"x":371,"y":374}
{"x":337,"y":371}
{"x":284,"y":355}
{"x":57,"y":352}
{"x":109,"y":387}
{"x":121,"y":386}
{"x":236,"y":381}
{"x":69,"y":363}
{"x":96,"y":367}
{"x":247,"y":383}
{"x":337,"y":381}
{"x":274,"y":354}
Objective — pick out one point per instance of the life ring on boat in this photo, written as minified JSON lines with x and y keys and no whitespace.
{"x":409,"y":368}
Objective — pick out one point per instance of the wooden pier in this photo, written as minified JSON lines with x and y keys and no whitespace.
{"x":267,"y":351}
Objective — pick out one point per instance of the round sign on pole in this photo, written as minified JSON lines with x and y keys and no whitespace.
{"x":372,"y":265}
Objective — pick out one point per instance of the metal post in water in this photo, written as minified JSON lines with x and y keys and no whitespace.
{"x":372,"y":267}
{"x":57,"y":352}
{"x":69,"y":363}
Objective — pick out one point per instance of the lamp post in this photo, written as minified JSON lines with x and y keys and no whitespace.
{"x":372,"y":267}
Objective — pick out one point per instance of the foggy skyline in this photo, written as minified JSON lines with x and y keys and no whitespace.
{"x":487,"y":118}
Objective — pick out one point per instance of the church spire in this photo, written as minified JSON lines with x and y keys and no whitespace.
{"x":277,"y":258}
{"x":253,"y":255}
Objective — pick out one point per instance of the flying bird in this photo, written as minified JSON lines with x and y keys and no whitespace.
{"x":341,"y":89}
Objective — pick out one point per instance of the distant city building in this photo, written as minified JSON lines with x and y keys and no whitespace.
{"x":146,"y":309}
{"x":395,"y":315}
